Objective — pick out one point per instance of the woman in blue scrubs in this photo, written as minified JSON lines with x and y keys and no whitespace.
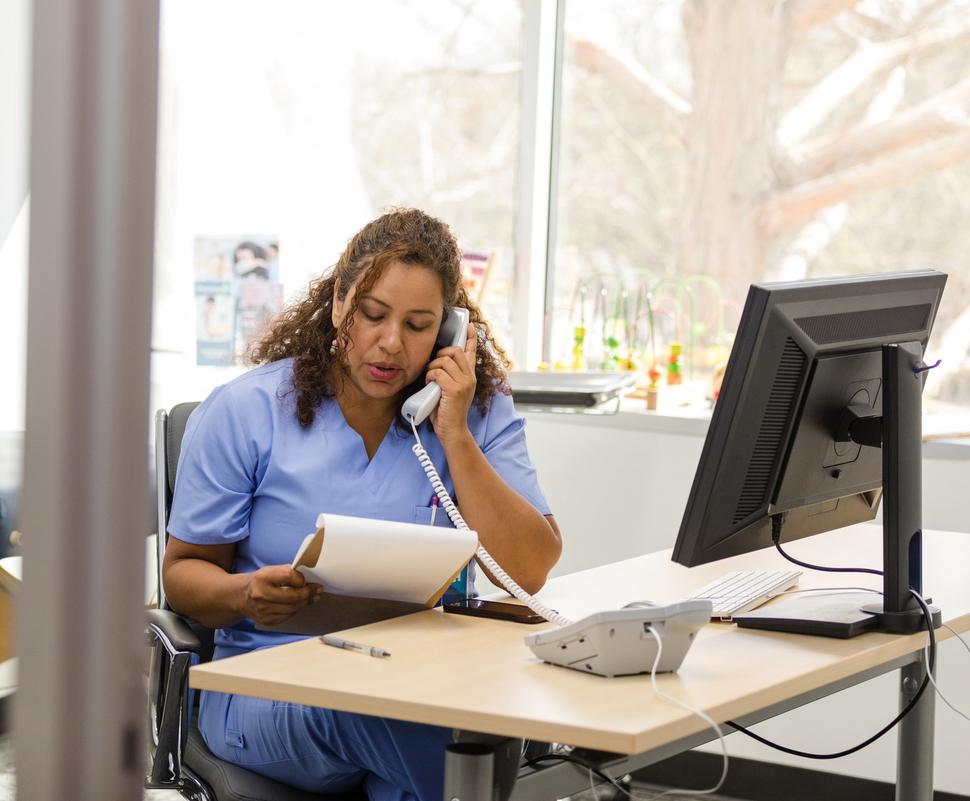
{"x":316,"y":428}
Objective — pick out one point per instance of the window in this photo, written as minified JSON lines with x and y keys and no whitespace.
{"x":14,"y":216}
{"x":705,"y":146}
{"x":296,"y":123}
{"x":701,"y":147}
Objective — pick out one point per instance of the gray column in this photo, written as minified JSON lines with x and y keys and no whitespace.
{"x":469,"y":772}
{"x":80,"y":709}
{"x":914,"y":759}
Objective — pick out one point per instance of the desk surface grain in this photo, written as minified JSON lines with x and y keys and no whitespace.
{"x":476,"y":674}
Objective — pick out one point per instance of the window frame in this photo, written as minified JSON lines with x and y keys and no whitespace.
{"x":543,"y":37}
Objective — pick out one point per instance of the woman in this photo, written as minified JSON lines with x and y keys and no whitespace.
{"x":316,"y":428}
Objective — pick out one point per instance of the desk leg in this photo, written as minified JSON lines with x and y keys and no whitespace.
{"x":914,"y":756}
{"x":469,"y":772}
{"x":481,"y":767}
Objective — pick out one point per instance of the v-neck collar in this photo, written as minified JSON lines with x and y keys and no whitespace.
{"x":376,"y":471}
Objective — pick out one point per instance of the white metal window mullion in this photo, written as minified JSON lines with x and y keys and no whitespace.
{"x":541,"y":80}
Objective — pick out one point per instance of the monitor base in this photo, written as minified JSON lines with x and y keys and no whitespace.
{"x":835,"y":614}
{"x":909,"y":621}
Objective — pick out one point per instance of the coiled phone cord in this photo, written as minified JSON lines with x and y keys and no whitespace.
{"x":483,"y":556}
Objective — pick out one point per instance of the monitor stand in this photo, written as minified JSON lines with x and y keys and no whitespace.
{"x":829,"y":614}
{"x":900,"y":433}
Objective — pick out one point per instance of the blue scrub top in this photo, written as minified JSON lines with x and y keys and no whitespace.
{"x":249,"y":474}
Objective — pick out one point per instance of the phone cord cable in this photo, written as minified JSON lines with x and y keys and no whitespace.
{"x":484,"y":556}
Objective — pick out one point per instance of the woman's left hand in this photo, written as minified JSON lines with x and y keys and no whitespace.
{"x":454,"y":370}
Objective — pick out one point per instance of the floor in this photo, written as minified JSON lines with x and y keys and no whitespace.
{"x":641,"y":792}
{"x":8,"y":785}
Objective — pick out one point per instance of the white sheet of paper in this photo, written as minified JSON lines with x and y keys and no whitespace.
{"x":385,"y":559}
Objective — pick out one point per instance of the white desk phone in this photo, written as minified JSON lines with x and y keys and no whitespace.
{"x":612,"y":643}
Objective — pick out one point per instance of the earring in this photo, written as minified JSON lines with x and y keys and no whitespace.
{"x":333,"y":348}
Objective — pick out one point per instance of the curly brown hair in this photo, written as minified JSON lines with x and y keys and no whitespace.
{"x":305,"y":329}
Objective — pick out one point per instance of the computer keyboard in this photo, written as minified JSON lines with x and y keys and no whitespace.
{"x":744,"y":590}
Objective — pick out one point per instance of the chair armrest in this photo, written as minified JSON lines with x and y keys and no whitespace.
{"x":174,"y":648}
{"x":172,"y":631}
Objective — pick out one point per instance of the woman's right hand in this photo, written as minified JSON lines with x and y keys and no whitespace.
{"x":276,"y":592}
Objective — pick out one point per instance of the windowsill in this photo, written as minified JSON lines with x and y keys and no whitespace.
{"x":631,"y":414}
{"x":692,"y":419}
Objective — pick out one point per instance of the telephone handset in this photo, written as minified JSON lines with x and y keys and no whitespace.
{"x":453,"y":333}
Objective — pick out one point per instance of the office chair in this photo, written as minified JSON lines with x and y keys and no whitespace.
{"x":180,"y":759}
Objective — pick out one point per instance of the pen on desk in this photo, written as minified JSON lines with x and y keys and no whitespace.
{"x":337,"y":642}
{"x":433,"y":503}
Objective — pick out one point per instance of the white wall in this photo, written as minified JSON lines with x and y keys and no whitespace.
{"x":618,"y":487}
{"x":616,"y":492}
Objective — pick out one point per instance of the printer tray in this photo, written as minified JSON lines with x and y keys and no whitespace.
{"x":581,"y":390}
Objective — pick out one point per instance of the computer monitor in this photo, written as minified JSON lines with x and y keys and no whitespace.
{"x":819,"y":415}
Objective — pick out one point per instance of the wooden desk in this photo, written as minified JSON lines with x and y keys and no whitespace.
{"x":477,"y":675}
{"x":9,"y":585}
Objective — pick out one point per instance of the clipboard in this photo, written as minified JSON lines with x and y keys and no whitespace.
{"x":417,"y":564}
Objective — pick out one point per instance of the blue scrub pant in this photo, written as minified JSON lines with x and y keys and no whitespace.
{"x":324,"y":751}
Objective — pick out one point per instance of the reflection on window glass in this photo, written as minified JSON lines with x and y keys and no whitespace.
{"x":706,"y":146}
{"x":292,"y":124}
{"x":14,"y":237}
{"x":14,"y":219}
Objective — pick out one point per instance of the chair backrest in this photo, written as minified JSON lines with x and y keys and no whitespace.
{"x":172,"y":433}
{"x":169,"y":430}
{"x":172,"y":730}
